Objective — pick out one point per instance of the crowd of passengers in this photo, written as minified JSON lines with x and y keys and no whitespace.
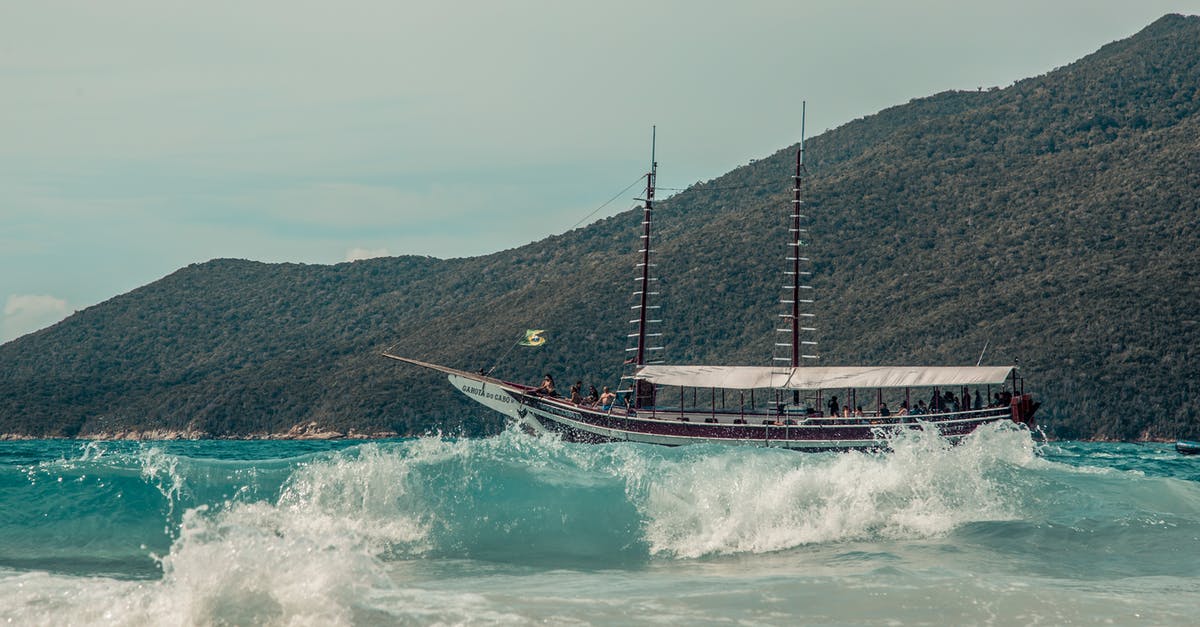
{"x":939,"y":403}
{"x":604,"y":399}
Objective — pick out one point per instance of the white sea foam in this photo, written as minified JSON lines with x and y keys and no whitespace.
{"x":306,"y":559}
{"x":431,"y":532}
{"x":310,"y":558}
{"x":732,"y":501}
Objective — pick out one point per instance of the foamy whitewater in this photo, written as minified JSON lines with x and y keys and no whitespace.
{"x":516,"y":529}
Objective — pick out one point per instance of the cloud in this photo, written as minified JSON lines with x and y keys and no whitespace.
{"x":24,"y":313}
{"x":358,"y":254}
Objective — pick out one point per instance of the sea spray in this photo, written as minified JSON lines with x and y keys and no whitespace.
{"x":515,"y":529}
{"x":723,"y":500}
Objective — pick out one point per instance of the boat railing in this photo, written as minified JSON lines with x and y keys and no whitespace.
{"x":773,"y":415}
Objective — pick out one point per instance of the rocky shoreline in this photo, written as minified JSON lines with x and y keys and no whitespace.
{"x":302,"y":431}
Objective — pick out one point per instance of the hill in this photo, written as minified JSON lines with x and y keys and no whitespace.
{"x":1055,"y":220}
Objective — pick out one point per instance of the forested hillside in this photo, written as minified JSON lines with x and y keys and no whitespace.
{"x":1055,"y":220}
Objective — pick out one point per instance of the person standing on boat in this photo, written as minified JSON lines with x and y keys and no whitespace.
{"x":833,"y":407}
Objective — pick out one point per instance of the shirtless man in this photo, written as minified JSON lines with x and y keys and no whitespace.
{"x":607,"y":397}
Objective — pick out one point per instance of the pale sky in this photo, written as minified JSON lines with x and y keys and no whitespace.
{"x":139,"y":136}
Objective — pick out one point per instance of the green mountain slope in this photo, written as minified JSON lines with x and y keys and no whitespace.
{"x":1056,"y":220}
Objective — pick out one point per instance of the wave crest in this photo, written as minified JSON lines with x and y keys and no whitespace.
{"x":724,"y":501}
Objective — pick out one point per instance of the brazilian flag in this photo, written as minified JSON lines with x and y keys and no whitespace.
{"x":533,"y":337}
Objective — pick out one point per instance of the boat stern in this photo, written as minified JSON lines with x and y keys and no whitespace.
{"x":1023,"y":409}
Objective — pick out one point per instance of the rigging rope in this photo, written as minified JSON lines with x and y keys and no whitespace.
{"x":607,"y":202}
{"x":538,"y":278}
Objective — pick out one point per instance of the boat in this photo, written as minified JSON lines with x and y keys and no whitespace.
{"x":782,"y":404}
{"x":1188,"y":447}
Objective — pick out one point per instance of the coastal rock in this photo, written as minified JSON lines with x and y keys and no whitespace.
{"x":311,"y":431}
{"x":145,"y":435}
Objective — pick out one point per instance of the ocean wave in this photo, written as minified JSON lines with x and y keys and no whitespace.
{"x":345,"y":535}
{"x":725,"y":501}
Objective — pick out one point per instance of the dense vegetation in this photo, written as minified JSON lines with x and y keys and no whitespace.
{"x":1055,"y":219}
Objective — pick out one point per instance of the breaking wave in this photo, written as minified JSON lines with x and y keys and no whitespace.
{"x":168,"y":533}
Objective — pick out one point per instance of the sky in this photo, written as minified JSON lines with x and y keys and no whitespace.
{"x":140,"y":136}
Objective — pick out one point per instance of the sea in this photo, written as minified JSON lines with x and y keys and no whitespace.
{"x":1002,"y":529}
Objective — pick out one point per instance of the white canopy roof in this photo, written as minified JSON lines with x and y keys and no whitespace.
{"x":823,"y":378}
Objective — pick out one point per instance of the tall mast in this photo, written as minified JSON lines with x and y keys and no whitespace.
{"x":644,"y":280}
{"x":643,"y":392}
{"x":797,"y":297}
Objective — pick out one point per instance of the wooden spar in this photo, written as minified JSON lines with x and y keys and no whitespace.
{"x":639,"y":357}
{"x":795,"y":250}
{"x":794,"y":245}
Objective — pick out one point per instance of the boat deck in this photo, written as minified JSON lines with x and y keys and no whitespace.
{"x":765,"y":416}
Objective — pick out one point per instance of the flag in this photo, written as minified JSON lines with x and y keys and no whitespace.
{"x":533,"y":337}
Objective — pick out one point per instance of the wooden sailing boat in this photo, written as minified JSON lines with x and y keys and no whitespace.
{"x":780,"y":405}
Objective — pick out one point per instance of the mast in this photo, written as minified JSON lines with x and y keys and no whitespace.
{"x":643,"y":291}
{"x":645,"y":281}
{"x":797,"y":297}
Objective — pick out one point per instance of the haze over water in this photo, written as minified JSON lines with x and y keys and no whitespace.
{"x":515,"y":529}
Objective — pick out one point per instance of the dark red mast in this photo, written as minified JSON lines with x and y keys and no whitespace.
{"x":643,"y":306}
{"x":797,"y":297}
{"x":643,"y":391}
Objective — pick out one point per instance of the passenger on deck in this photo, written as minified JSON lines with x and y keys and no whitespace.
{"x":883,"y":410}
{"x":592,"y":396}
{"x":978,"y":400}
{"x":575,"y":392}
{"x":950,"y":403}
{"x":845,"y":411}
{"x":903,"y":409}
{"x":546,"y":388}
{"x":920,"y":408}
{"x":833,"y":406}
{"x":606,"y":399}
{"x":935,"y":402}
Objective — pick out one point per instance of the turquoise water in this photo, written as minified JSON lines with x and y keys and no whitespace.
{"x":516,"y":529}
